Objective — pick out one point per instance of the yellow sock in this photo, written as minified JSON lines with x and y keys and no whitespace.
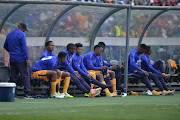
{"x":66,"y":84}
{"x":58,"y":81}
{"x":106,"y":90}
{"x":92,"y":86}
{"x":53,"y":88}
{"x":90,"y":92}
{"x":113,"y":82}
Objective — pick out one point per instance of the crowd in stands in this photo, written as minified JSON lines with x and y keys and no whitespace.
{"x":81,"y":24}
{"x":135,"y":2}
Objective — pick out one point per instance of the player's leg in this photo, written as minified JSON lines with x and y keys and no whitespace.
{"x":100,"y":77}
{"x":101,"y":82}
{"x":66,"y":77}
{"x":14,"y":73}
{"x":146,"y":82}
{"x":113,"y":81}
{"x":118,"y":77}
{"x":77,"y":82}
{"x":22,"y":68}
{"x":159,"y":66}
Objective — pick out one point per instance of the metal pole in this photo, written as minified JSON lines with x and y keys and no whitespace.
{"x":56,"y":20}
{"x":127,"y":49}
{"x":96,"y":29}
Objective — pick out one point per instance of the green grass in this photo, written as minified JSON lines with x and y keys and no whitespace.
{"x":79,"y":108}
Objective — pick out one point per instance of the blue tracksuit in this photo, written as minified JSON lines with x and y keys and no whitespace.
{"x":100,"y":63}
{"x":46,"y":53}
{"x":46,"y":63}
{"x":78,"y":65}
{"x":147,"y":66}
{"x":132,"y":61}
{"x":15,"y":44}
{"x":90,"y":61}
{"x":68,"y":63}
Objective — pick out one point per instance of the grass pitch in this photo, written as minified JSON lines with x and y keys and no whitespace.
{"x":80,"y":108}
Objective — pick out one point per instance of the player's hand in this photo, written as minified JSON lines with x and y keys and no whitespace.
{"x":77,"y":76}
{"x":104,"y":68}
{"x":89,"y":76}
{"x":145,"y":72}
{"x":114,"y":67}
{"x":165,"y":75}
{"x":76,"y":72}
{"x":28,"y":63}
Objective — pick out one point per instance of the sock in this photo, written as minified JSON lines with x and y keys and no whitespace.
{"x":58,"y":84}
{"x":92,"y":86}
{"x":156,"y":81}
{"x":66,"y":84}
{"x":113,"y":82}
{"x":106,"y":90}
{"x":100,"y":84}
{"x":118,"y":77}
{"x":53,"y":88}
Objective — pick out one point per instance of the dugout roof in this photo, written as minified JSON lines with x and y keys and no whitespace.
{"x":84,"y":20}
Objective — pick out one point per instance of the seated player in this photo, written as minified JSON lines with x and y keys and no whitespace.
{"x":134,"y":69}
{"x":50,"y":48}
{"x":78,"y":65}
{"x":90,"y":62}
{"x":112,"y":70}
{"x":75,"y":78}
{"x":47,"y":69}
{"x":147,"y":66}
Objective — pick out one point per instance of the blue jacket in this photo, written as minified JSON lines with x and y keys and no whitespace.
{"x":46,"y":53}
{"x":15,"y":44}
{"x":78,"y":65}
{"x":46,"y":63}
{"x":100,"y":63}
{"x":68,"y":63}
{"x":90,"y":61}
{"x":132,"y":61}
{"x":146,"y":64}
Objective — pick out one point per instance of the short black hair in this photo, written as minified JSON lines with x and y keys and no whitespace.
{"x":78,"y":45}
{"x":143,"y":46}
{"x":102,"y":44}
{"x":70,"y":45}
{"x":47,"y":43}
{"x":148,"y":48}
{"x":62,"y":55}
{"x":97,"y":46}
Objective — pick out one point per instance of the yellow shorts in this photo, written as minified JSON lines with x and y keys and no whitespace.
{"x":40,"y":75}
{"x":93,"y":74}
{"x":94,"y":71}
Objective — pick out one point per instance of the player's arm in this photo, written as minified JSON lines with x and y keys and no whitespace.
{"x":76,"y":66}
{"x":90,"y":64}
{"x":24,"y":47}
{"x":133,"y":63}
{"x":71,"y":70}
{"x":148,"y":64}
{"x":6,"y":45}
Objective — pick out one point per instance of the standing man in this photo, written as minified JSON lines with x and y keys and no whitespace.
{"x":15,"y":44}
